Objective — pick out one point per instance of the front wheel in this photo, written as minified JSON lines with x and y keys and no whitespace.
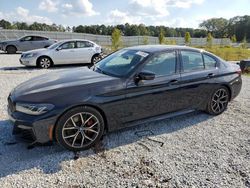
{"x":11,"y":50}
{"x":44,"y":62}
{"x":219,"y":101}
{"x":79,"y":128}
{"x":95,"y":59}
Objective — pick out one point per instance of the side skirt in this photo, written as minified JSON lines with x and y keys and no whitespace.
{"x":158,"y":118}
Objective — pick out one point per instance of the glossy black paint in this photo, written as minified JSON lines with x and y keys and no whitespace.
{"x":245,"y":65}
{"x":122,"y":101}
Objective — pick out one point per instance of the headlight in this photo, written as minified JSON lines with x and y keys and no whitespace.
{"x":97,"y":48}
{"x":34,"y":109}
{"x":30,"y":55}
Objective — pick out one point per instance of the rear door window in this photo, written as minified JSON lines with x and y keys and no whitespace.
{"x":84,"y":44}
{"x":38,"y":38}
{"x":192,"y":61}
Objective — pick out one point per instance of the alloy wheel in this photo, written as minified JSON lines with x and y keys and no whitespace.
{"x":81,"y":130}
{"x":95,"y":59}
{"x":219,"y":101}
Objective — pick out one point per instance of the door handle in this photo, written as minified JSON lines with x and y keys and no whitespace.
{"x":173,"y":81}
{"x":210,"y":75}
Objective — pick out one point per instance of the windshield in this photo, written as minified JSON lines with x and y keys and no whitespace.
{"x":120,"y":63}
{"x":53,"y":46}
{"x":21,"y":38}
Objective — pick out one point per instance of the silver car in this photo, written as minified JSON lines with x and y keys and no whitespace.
{"x":63,"y":52}
{"x":26,"y":43}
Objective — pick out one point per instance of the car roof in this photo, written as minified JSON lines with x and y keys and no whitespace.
{"x":69,"y":40}
{"x":34,"y":36}
{"x":158,"y":48}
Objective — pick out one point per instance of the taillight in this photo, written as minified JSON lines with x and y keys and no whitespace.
{"x":238,"y":71}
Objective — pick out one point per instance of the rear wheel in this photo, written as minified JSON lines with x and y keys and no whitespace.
{"x":44,"y":62}
{"x":219,"y":101}
{"x":79,"y":128}
{"x":11,"y":49}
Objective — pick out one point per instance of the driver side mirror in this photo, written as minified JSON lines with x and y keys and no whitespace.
{"x":145,"y":75}
{"x":59,"y":48}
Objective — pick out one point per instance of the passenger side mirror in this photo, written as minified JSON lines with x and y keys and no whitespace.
{"x":145,"y":75}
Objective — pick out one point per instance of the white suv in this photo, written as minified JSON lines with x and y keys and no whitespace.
{"x":63,"y":52}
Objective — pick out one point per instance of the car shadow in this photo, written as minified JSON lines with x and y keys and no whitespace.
{"x":5,"y":53}
{"x":15,"y":157}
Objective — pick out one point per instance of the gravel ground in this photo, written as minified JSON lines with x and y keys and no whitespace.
{"x":195,"y":150}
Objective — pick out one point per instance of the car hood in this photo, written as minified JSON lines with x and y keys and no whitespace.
{"x":40,"y":50}
{"x":61,"y":79}
{"x":7,"y":41}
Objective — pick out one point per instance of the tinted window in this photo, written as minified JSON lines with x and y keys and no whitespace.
{"x":68,"y":45}
{"x":28,"y":38}
{"x":209,"y":61}
{"x":192,"y":61}
{"x":37,"y":38}
{"x":84,"y":44}
{"x":162,"y":64}
{"x":89,"y":44}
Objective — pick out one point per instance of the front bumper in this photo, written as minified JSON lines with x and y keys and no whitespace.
{"x":35,"y":128}
{"x":28,"y":61}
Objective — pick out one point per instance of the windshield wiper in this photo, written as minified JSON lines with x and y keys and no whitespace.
{"x":104,"y":72}
{"x":100,"y":70}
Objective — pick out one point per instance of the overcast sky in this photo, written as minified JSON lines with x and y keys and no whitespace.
{"x":173,"y":13}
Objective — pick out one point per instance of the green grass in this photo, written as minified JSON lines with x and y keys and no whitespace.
{"x":246,"y":74}
{"x":230,"y":53}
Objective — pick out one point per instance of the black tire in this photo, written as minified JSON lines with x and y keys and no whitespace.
{"x":95,"y":59}
{"x":11,"y":49}
{"x":73,"y":128}
{"x":44,"y":62}
{"x":218,"y":101}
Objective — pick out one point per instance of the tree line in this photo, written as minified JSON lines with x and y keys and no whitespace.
{"x":4,"y":24}
{"x":236,"y":28}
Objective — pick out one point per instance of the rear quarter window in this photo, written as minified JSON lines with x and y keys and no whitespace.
{"x":209,"y":61}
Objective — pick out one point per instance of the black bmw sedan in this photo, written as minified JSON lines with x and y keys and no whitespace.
{"x":131,"y":86}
